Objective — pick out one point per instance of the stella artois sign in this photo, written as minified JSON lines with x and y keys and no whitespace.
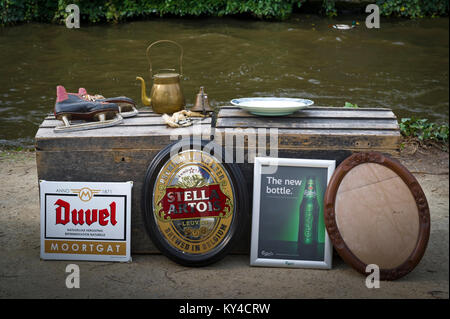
{"x":193,"y":202}
{"x":190,"y":205}
{"x":197,"y":202}
{"x":85,"y":221}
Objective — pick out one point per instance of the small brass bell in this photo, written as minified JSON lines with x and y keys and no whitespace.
{"x":202,"y":103}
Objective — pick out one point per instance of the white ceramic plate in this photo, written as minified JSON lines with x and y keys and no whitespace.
{"x":271,"y":106}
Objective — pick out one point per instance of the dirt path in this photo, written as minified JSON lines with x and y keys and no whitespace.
{"x":24,"y":275}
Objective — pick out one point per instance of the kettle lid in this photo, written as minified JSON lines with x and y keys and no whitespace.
{"x":166,"y":78}
{"x":166,"y":75}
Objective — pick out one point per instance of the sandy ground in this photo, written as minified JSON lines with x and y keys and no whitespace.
{"x":24,"y":275}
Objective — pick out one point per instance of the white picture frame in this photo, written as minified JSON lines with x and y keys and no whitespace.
{"x":263,"y":227}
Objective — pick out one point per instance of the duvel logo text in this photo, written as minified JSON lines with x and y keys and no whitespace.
{"x":90,"y":216}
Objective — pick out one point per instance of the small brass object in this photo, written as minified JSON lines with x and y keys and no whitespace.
{"x":202,"y":103}
{"x":166,"y":95}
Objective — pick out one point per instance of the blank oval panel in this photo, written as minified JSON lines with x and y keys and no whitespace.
{"x":377,"y":213}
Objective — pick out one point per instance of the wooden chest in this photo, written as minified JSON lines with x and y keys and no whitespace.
{"x":114,"y":154}
{"x":314,"y":133}
{"x":124,"y":152}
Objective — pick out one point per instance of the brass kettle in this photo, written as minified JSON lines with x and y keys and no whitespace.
{"x":166,"y":95}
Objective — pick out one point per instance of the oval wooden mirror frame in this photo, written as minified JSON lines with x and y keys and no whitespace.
{"x":422,"y":207}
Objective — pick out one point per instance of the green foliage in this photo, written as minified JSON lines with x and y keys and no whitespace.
{"x":435,"y":8}
{"x":329,"y":8}
{"x":413,"y":8}
{"x":16,"y":11}
{"x":400,"y":8}
{"x":116,"y":10}
{"x":424,"y":130}
{"x":350,"y":105}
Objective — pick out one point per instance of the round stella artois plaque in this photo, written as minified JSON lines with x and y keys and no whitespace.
{"x":194,"y":204}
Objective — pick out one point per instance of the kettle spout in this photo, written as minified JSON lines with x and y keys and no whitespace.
{"x":145,"y":99}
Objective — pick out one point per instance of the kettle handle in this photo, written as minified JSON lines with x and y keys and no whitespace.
{"x":164,"y":41}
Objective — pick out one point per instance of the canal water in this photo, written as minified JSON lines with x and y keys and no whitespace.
{"x":404,"y":65}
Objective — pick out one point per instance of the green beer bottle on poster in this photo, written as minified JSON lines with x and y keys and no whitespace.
{"x":308,"y":225}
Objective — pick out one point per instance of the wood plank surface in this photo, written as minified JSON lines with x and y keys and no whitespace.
{"x":290,"y":131}
{"x":308,"y":123}
{"x":318,"y":112}
{"x":326,"y":141}
{"x":140,"y":137}
{"x":318,"y":107}
{"x":313,"y":118}
{"x":140,"y":120}
{"x":327,"y":128}
{"x":147,"y":130}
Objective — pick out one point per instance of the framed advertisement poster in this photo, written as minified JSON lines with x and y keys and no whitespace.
{"x":85,"y":221}
{"x":288,"y":227}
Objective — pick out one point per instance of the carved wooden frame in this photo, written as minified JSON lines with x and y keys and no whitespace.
{"x":422,"y":205}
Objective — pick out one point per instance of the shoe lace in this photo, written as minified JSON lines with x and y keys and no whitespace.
{"x":92,"y":98}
